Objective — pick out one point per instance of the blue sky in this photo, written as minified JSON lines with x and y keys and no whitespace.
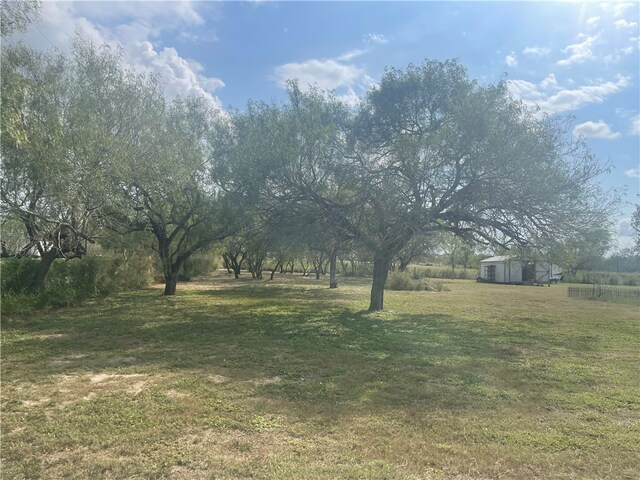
{"x":569,"y":58}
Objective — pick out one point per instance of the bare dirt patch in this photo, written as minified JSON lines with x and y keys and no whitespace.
{"x":219,"y":378}
{"x":265,"y":381}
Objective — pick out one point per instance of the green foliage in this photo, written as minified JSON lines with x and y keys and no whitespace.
{"x":72,"y":281}
{"x":403,"y":281}
{"x":199,"y":264}
{"x":604,"y":278}
{"x":17,"y":15}
{"x":444,"y":272}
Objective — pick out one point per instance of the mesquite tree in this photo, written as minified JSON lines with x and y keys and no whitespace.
{"x":429,"y":151}
{"x":58,"y":132}
{"x":438,"y":152}
{"x":169,"y":188}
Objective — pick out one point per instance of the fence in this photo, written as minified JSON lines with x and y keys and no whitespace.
{"x":602,"y":292}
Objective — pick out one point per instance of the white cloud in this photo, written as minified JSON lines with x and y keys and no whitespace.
{"x":620,"y":8}
{"x":351,"y":54}
{"x":592,"y":21}
{"x":327,"y":74}
{"x":622,"y":24}
{"x":172,"y":12}
{"x":580,"y":52}
{"x":375,"y":38}
{"x":551,"y":98}
{"x":635,"y":125}
{"x":633,"y":173}
{"x":511,"y":60}
{"x":536,"y":51}
{"x":136,"y":28}
{"x":598,"y":129}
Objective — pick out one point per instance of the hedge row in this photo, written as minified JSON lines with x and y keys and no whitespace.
{"x":70,"y":282}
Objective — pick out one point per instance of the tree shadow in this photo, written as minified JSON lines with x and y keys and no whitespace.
{"x":326,"y":356}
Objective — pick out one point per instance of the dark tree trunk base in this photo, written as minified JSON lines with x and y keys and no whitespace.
{"x":40,"y":277}
{"x":380,"y":272}
{"x":170,"y":286}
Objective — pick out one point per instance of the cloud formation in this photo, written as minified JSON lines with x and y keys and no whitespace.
{"x":375,"y":38}
{"x":633,"y":173}
{"x":599,"y":129}
{"x":551,"y":97}
{"x":580,"y":52}
{"x":326,"y":74}
{"x":134,"y":28}
{"x":622,"y":24}
{"x":511,"y":60}
{"x":635,"y":125}
{"x":536,"y":51}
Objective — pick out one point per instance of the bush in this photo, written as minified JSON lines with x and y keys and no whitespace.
{"x":614,"y":280}
{"x":198,"y":265}
{"x":70,"y":282}
{"x":404,"y":281}
{"x":401,"y":281}
{"x":16,"y":274}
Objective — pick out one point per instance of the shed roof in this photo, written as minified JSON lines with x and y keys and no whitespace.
{"x":498,"y":258}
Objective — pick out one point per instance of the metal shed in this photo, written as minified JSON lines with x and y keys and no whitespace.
{"x":506,"y":269}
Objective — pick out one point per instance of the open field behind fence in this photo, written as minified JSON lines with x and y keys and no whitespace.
{"x":629,"y":296}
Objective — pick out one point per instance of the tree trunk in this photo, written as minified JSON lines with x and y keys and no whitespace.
{"x":170,"y":283}
{"x":236,"y":271}
{"x":44,"y":266}
{"x":333,"y":280}
{"x":227,"y":262}
{"x":381,"y":264}
{"x":273,"y":270}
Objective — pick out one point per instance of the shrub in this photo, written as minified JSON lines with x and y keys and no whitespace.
{"x":70,"y":282}
{"x":614,"y":280}
{"x":401,"y":281}
{"x":18,"y":303}
{"x":198,"y":265}
{"x":16,"y":274}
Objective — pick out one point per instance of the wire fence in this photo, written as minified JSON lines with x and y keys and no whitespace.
{"x":629,"y":296}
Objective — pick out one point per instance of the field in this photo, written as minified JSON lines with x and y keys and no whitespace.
{"x":288,"y":379}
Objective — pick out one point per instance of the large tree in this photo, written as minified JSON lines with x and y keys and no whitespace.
{"x":433,"y":151}
{"x":56,"y":138}
{"x":168,"y":188}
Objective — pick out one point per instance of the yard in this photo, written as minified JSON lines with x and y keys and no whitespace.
{"x":288,"y":379}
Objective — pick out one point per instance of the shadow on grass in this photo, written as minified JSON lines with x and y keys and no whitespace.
{"x":322,"y":353}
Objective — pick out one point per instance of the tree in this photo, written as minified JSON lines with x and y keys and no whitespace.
{"x":581,"y":250}
{"x":55,"y":143}
{"x":635,"y":227}
{"x":417,"y":246}
{"x":16,"y":15}
{"x":429,"y":151}
{"x":168,"y":188}
{"x":438,"y":152}
{"x":282,"y":156}
{"x":234,"y":254}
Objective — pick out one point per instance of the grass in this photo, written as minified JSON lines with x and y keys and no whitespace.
{"x":288,"y":379}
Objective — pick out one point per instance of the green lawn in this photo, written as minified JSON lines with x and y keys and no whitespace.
{"x":288,"y":379}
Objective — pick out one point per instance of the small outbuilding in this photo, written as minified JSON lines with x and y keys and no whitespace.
{"x":506,"y":269}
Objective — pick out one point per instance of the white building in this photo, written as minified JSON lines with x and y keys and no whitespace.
{"x":505,"y":269}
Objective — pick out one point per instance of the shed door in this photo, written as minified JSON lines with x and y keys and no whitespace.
{"x":528,"y":272}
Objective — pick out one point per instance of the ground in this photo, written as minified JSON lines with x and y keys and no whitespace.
{"x":288,"y":379}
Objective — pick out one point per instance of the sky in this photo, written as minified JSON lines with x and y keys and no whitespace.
{"x":567,"y":58}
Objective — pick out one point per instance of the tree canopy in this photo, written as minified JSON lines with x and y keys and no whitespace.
{"x":429,"y":154}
